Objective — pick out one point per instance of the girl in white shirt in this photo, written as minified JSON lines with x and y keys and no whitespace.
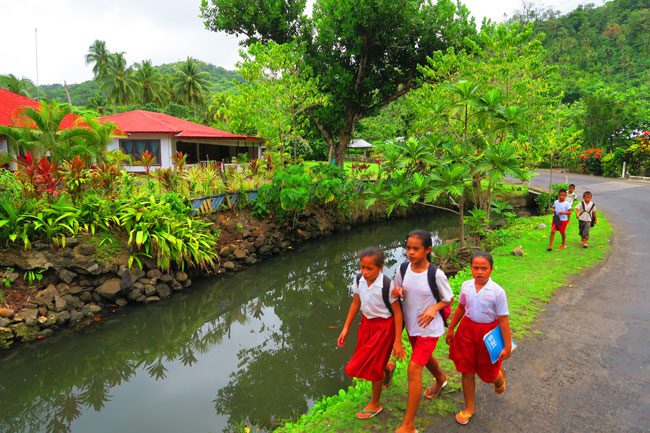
{"x":380,"y":331}
{"x":482,"y":306}
{"x":423,"y":319}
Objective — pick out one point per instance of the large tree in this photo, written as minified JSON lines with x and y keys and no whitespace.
{"x":98,"y":57}
{"x":364,"y":54}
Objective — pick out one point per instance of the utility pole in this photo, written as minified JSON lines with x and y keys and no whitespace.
{"x":38,"y":96}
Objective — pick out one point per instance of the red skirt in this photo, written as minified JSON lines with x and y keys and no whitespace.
{"x":469,"y":353}
{"x":374,"y":345}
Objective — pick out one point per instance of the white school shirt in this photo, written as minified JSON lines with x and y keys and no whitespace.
{"x":485,"y":306}
{"x":418,"y":297}
{"x":372,"y":301}
{"x":590,"y":208}
{"x":562,"y":206}
{"x":571,"y":197}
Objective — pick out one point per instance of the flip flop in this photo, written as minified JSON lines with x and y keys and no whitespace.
{"x":549,"y":249}
{"x":370,"y":413}
{"x":430,"y":394}
{"x":563,"y":247}
{"x":463,"y":417}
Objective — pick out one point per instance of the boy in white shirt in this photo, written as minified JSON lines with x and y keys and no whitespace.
{"x":561,"y":211}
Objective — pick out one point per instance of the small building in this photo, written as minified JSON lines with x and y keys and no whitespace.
{"x":163,"y":135}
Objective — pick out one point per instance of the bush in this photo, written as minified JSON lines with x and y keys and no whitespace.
{"x":612,"y":163}
{"x":545,"y":200}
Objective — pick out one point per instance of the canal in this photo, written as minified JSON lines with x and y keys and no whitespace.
{"x":255,"y":347}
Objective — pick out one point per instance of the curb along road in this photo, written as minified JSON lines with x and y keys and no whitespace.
{"x":589,"y":369}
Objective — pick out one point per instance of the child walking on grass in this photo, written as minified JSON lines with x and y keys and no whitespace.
{"x":586,"y":213}
{"x":561,"y":211}
{"x":380,"y":331}
{"x":426,"y":293}
{"x":482,"y":306}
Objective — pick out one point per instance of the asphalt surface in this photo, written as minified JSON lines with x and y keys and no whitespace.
{"x":589,"y":369}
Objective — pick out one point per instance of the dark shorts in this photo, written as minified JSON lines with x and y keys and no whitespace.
{"x":584,"y":227}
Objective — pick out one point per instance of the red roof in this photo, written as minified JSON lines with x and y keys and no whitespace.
{"x":11,"y":104}
{"x":149,"y":122}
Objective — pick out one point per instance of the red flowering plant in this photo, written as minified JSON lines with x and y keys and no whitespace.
{"x":360,"y":170}
{"x":39,"y":176}
{"x":592,"y":159}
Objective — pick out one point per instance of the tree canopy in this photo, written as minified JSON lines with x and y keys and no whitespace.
{"x":364,"y":54}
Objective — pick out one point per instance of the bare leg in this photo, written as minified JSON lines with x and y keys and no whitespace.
{"x":436,"y":371}
{"x":563,"y":238}
{"x":413,"y":400}
{"x":550,"y":244}
{"x":375,"y":401}
{"x":469,"y":390}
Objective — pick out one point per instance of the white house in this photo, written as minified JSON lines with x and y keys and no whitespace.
{"x":163,"y":135}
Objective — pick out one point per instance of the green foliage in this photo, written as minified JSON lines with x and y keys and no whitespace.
{"x":612,"y":163}
{"x":476,"y":222}
{"x":158,"y":228}
{"x":354,"y":49}
{"x":545,"y":200}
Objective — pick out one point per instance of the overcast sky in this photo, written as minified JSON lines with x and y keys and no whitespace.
{"x":163,"y":31}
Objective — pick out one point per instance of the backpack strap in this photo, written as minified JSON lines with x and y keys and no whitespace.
{"x":385,"y":291}
{"x":584,"y":209}
{"x":402,"y":269}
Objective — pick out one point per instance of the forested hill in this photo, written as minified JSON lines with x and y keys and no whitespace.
{"x":609,"y":43}
{"x":220,"y":79}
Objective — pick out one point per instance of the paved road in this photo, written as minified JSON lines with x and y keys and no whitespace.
{"x":589,"y":370}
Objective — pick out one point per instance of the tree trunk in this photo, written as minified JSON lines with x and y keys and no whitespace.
{"x":461,"y":218}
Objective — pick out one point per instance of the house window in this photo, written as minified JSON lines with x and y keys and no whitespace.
{"x":134,"y":148}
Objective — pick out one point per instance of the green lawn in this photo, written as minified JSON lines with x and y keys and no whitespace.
{"x":370,"y":173}
{"x":530,"y":282}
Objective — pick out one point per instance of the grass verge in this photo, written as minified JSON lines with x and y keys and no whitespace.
{"x":530,"y":282}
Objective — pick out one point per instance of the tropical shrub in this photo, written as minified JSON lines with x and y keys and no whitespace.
{"x":612,"y":163}
{"x":591,"y":159}
{"x":38,"y":176}
{"x":163,"y":229}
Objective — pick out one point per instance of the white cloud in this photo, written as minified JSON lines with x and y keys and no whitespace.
{"x":161,"y":30}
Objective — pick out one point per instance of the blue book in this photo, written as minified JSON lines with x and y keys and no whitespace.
{"x":494,"y":342}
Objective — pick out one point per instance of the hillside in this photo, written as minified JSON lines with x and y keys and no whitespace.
{"x":610,"y":44}
{"x":220,"y":79}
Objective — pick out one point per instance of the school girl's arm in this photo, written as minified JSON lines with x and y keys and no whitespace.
{"x":504,"y":322}
{"x":352,"y":313}
{"x":398,"y":348}
{"x":455,"y":320}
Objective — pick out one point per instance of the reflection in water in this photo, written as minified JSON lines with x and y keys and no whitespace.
{"x":258,"y":346}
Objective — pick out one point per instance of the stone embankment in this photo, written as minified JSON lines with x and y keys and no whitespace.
{"x":76,"y":287}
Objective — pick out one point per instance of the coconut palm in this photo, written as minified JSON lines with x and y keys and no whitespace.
{"x":117,"y":80}
{"x":149,"y":82}
{"x":22,"y":86}
{"x":98,"y":54}
{"x":190,"y":83}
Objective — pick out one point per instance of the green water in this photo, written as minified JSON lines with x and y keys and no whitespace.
{"x":256,"y":346}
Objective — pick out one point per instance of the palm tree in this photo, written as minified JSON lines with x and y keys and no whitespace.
{"x":98,"y":54}
{"x":117,"y":80}
{"x":22,"y":86}
{"x":149,"y":83}
{"x":190,"y":83}
{"x":38,"y":131}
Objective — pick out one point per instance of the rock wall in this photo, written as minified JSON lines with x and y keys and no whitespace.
{"x":77,"y":288}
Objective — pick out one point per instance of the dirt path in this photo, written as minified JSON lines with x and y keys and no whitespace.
{"x":589,"y":369}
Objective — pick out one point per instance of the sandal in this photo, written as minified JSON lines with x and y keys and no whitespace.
{"x":430,"y":393}
{"x":500,"y":389}
{"x":463,"y":417}
{"x":368,"y":413}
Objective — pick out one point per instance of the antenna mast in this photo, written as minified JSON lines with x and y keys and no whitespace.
{"x":38,"y":96}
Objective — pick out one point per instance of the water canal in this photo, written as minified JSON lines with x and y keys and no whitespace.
{"x":258,"y":345}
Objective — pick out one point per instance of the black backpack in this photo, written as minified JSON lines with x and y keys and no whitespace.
{"x":431,"y":278}
{"x":384,"y":291}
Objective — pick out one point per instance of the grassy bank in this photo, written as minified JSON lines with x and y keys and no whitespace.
{"x":530,"y":282}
